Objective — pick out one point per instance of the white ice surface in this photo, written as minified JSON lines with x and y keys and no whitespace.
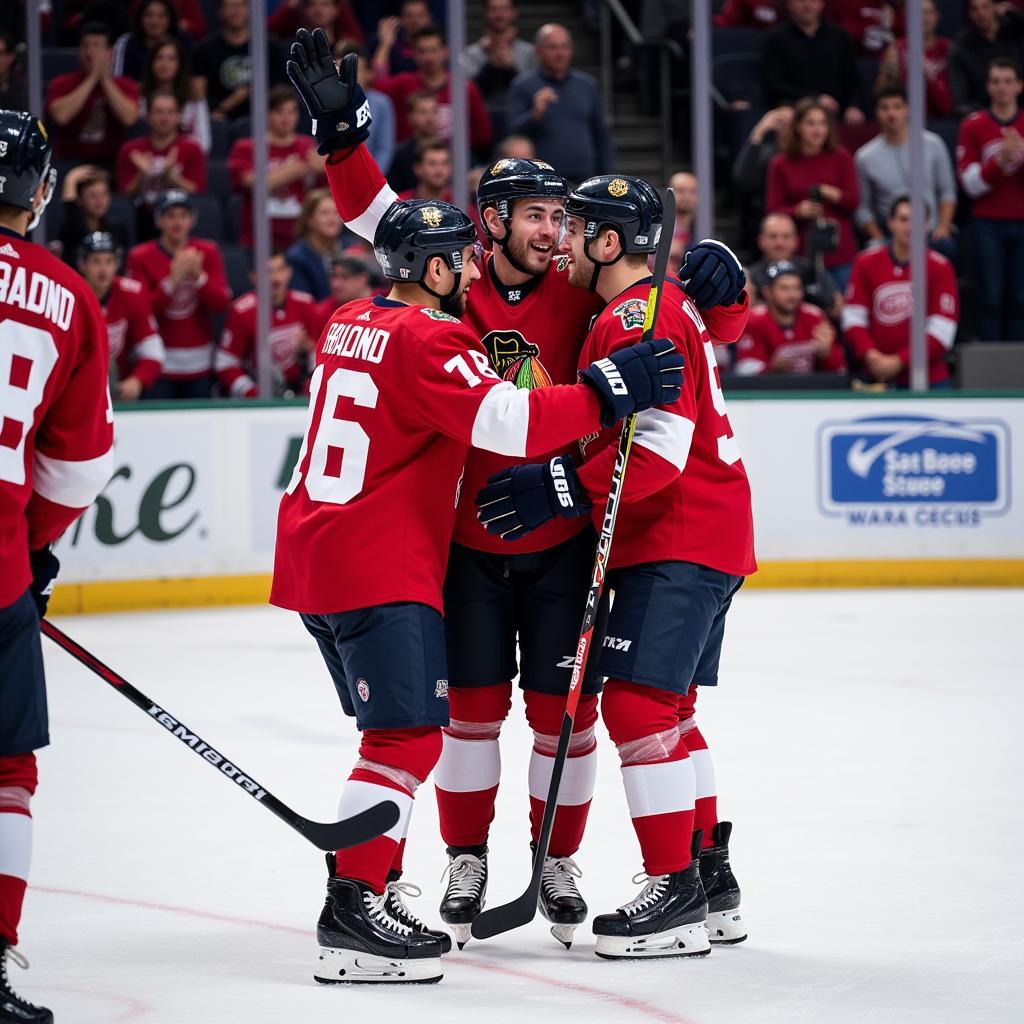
{"x":868,"y":749}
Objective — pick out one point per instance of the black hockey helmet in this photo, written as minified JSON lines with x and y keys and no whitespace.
{"x":413,"y":231}
{"x":631,"y":206}
{"x":24,"y":162}
{"x":98,"y":241}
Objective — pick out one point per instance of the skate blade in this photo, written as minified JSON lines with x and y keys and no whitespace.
{"x":564,"y":933}
{"x":687,"y":940}
{"x":461,"y":933}
{"x":726,"y":927}
{"x":349,"y":966}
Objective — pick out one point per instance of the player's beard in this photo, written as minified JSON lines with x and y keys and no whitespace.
{"x":581,"y":272}
{"x":529,"y":259}
{"x":454,"y":305}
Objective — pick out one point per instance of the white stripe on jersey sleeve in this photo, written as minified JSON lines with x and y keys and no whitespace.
{"x":151,"y":347}
{"x":974,"y":184}
{"x":72,"y":484}
{"x":366,"y":223}
{"x":503,"y":420}
{"x":666,"y":434}
{"x":748,"y":366}
{"x":854,"y":316}
{"x":942,"y":328}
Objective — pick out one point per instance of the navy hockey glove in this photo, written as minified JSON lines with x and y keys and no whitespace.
{"x":712,"y":275}
{"x":632,"y":379}
{"x":518,"y":500}
{"x":334,"y":98}
{"x":45,"y":566}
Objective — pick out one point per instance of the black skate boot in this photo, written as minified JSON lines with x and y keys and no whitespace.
{"x":559,"y":901}
{"x":725,"y":925}
{"x":665,"y":920}
{"x":396,"y":890}
{"x":14,"y":1008}
{"x":467,"y":885}
{"x":362,"y":941}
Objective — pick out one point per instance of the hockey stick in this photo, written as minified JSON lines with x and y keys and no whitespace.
{"x":523,"y":909}
{"x":336,"y":835}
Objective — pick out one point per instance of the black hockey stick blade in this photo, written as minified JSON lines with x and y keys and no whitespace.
{"x":327,"y":836}
{"x":523,"y":909}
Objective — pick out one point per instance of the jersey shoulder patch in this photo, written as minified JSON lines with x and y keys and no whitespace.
{"x":245,"y":303}
{"x":301,"y":296}
{"x":436,"y":314}
{"x":128,"y":284}
{"x":632,"y":313}
{"x":560,"y":263}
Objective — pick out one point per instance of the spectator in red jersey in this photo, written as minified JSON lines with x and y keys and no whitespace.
{"x":352,"y":277}
{"x":167,"y":71}
{"x":425,"y":121}
{"x":990,"y":163}
{"x":814,"y":180}
{"x":684,"y":188}
{"x":90,"y":107}
{"x":317,"y":243}
{"x":879,"y":302}
{"x":431,"y":75}
{"x":184,"y":278}
{"x":393,"y":54}
{"x":335,"y":17}
{"x":786,"y":334}
{"x":993,"y":30}
{"x":293,"y":167}
{"x":164,"y":159}
{"x":294,"y":330}
{"x":749,"y":14}
{"x":136,"y":348}
{"x":872,"y":26}
{"x":152,"y":22}
{"x":86,"y":199}
{"x":893,"y":69}
{"x":433,"y":169}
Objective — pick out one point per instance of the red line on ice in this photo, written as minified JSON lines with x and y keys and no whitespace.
{"x":640,"y":1006}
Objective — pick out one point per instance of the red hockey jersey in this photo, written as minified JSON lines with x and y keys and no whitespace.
{"x":750,"y":14}
{"x":294,"y":329}
{"x":398,"y":394}
{"x":765,"y":338}
{"x":184,"y":312}
{"x":686,"y":496}
{"x":532,"y":335}
{"x":56,"y":423}
{"x":879,"y":302}
{"x":996,"y":193}
{"x":189,"y":161}
{"x":136,"y":348}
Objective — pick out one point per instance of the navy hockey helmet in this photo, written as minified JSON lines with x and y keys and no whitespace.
{"x":25,"y":162}
{"x":414,"y":231}
{"x":98,"y":241}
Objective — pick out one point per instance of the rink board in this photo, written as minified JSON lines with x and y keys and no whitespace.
{"x":848,"y":491}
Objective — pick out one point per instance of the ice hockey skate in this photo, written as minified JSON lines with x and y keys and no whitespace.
{"x":397,"y":890}
{"x":559,"y":901}
{"x":467,"y":885}
{"x":665,"y":920}
{"x":361,"y":941}
{"x":725,"y":925}
{"x":14,"y":1008}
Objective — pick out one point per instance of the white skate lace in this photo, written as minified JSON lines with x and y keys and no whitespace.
{"x":10,"y":953}
{"x":649,"y":895}
{"x":378,"y":909}
{"x":398,"y":890}
{"x":559,"y":877}
{"x":465,"y":876}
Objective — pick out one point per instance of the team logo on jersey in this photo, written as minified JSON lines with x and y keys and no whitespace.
{"x":632,"y":313}
{"x":617,"y":187}
{"x":515,"y":359}
{"x":431,"y":216}
{"x":561,"y":262}
{"x":441,"y":689}
{"x":363,"y":689}
{"x":436,"y":314}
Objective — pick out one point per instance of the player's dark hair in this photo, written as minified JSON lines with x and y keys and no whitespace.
{"x":896,"y":204}
{"x":891,"y":92}
{"x":1008,"y":63}
{"x":94,"y":28}
{"x":279,"y":95}
{"x":428,"y":32}
{"x":182,"y":84}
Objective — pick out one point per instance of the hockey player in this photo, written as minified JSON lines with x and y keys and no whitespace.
{"x":294,"y":326}
{"x":683,"y":544}
{"x":56,"y":441}
{"x":136,"y":348}
{"x":499,"y":596}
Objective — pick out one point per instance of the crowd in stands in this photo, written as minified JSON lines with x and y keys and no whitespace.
{"x":148,"y":102}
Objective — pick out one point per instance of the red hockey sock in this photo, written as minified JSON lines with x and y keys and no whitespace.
{"x":467,"y":775}
{"x":544,"y":712}
{"x":706,"y":806}
{"x":18,"y":779}
{"x":656,"y":771}
{"x":392,"y":764}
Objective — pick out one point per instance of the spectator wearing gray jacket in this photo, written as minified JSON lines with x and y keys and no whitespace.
{"x":883,"y":169}
{"x":560,"y":109}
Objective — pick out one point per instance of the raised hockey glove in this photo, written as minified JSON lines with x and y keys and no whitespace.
{"x":333,"y":96}
{"x":632,"y":379}
{"x":712,"y":275}
{"x":44,"y":565}
{"x":518,"y":500}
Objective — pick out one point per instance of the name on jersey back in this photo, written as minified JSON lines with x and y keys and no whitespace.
{"x":356,"y":340}
{"x":36,"y":293}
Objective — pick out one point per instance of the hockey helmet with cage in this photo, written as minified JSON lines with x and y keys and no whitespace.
{"x":413,"y":232}
{"x":25,"y":155}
